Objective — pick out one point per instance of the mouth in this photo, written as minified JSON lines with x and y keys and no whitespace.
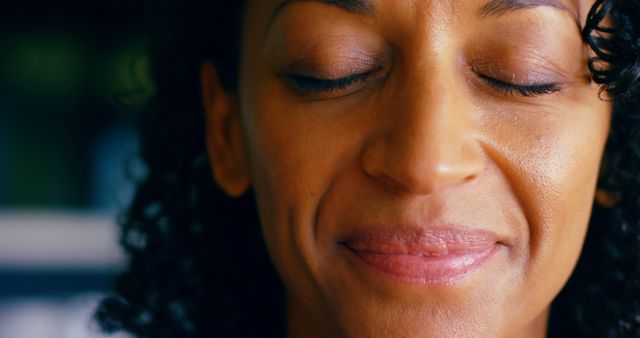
{"x":441,"y":256}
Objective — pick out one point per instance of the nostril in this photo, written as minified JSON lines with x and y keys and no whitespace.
{"x":421,"y":175}
{"x":423,"y":151}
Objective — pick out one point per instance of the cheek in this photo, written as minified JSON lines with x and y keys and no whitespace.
{"x":295,"y":156}
{"x":551,"y":163}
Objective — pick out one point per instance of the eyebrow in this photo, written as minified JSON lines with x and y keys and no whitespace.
{"x":355,"y":6}
{"x":491,"y":8}
{"x":502,"y":7}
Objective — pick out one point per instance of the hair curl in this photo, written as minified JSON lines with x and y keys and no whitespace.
{"x":180,"y":227}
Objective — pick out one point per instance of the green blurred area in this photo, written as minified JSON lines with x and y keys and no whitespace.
{"x":71,"y":84}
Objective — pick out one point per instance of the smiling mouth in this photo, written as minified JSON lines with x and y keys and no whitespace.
{"x":422,"y":257}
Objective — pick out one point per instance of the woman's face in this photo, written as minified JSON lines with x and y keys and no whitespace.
{"x":422,"y":168}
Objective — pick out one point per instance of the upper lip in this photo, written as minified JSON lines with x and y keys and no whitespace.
{"x":411,"y":240}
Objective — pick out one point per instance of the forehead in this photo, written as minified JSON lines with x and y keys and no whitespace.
{"x":490,"y":7}
{"x":261,"y":13}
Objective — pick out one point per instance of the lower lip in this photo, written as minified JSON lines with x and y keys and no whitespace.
{"x":445,"y":269}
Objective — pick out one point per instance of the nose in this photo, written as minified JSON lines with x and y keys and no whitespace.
{"x":426,"y":139}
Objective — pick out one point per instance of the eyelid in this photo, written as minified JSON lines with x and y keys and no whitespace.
{"x":527,"y":70}
{"x":321,"y":84}
{"x":345,"y":66}
{"x":526,"y":90}
{"x":310,"y":84}
{"x":508,"y":82}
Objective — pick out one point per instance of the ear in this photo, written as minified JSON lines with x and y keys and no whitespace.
{"x":605,"y":198}
{"x":224,"y":138}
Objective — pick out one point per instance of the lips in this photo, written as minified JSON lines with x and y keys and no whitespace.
{"x":422,"y":256}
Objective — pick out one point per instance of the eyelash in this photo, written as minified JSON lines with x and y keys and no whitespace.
{"x":311,"y":85}
{"x":507,"y":88}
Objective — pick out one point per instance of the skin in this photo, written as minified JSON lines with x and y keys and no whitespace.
{"x":424,"y":140}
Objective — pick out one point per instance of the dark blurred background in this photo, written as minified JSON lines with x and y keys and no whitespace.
{"x":73,"y":77}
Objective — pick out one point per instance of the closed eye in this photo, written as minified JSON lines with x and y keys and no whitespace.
{"x":532,"y":90}
{"x":313,"y":85}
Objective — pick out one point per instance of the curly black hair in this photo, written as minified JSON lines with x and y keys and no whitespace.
{"x":180,"y":227}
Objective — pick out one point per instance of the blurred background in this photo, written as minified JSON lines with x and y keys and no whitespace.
{"x":73,"y":76}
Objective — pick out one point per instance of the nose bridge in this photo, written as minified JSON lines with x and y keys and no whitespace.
{"x":430,"y":123}
{"x":428,"y":141}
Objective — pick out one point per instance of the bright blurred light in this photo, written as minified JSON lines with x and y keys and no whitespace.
{"x":51,"y":318}
{"x":56,"y":239}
